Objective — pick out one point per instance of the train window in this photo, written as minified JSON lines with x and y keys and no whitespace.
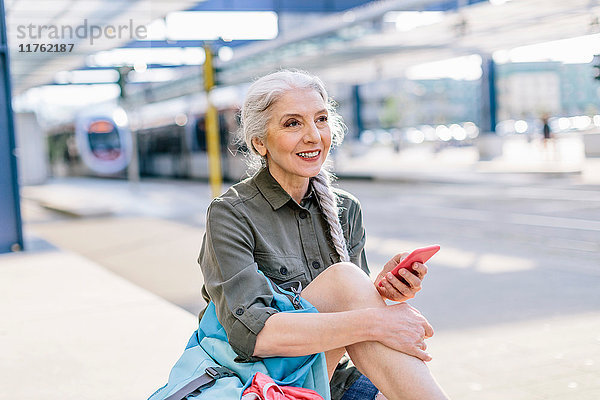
{"x":228,"y":125}
{"x":161,"y":140}
{"x":104,"y":140}
{"x":101,"y":127}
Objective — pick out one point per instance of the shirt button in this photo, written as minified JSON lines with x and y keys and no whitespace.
{"x":239,"y":311}
{"x":303,"y":214}
{"x":316,"y":265}
{"x":283,"y":270}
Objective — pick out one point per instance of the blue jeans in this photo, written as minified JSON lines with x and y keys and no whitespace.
{"x":362,"y":389}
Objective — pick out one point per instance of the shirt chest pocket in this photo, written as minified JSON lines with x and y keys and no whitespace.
{"x":282,"y":268}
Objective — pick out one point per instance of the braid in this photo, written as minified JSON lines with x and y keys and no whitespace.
{"x":328,"y":200}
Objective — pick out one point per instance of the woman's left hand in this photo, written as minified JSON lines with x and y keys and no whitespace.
{"x":393,"y":288}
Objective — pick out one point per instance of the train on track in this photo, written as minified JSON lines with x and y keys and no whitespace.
{"x":170,"y":143}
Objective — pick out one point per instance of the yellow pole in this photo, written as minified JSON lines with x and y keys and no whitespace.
{"x":212,"y":127}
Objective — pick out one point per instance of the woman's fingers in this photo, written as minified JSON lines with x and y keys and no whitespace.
{"x":421,"y":354}
{"x":395,"y":289}
{"x":413,"y":281}
{"x":407,"y":290}
{"x":391,"y":292}
{"x":428,"y":330}
{"x":406,"y":330}
{"x":399,"y":257}
{"x":420,"y":270}
{"x":394,"y":261}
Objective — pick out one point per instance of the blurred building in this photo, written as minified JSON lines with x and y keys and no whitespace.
{"x":400,"y":103}
{"x":528,"y":90}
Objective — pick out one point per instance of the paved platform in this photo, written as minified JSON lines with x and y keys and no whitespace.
{"x":73,"y":330}
{"x":546,"y":359}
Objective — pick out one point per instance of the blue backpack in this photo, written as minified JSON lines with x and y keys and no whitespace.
{"x":207,"y":370}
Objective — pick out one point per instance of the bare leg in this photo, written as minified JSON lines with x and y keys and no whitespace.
{"x":344,"y":287}
{"x":333,"y":358}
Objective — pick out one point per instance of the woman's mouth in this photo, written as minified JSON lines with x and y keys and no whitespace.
{"x":309,"y":155}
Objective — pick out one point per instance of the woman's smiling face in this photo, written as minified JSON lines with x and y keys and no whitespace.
{"x":298,"y":136}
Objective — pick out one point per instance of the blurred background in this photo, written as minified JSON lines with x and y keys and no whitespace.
{"x":474,"y":124}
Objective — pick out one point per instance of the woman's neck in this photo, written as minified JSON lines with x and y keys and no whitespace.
{"x":296,"y":186}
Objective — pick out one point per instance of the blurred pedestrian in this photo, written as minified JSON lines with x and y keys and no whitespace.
{"x":547,"y":136}
{"x":546,"y":128}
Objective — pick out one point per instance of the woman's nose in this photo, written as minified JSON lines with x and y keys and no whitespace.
{"x":312,"y":134}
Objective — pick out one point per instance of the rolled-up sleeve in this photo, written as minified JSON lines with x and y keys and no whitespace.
{"x":241,"y":295}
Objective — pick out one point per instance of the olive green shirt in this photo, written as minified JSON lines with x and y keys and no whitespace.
{"x":256,"y":225}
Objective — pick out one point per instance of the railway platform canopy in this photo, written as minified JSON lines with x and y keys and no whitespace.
{"x":352,"y":41}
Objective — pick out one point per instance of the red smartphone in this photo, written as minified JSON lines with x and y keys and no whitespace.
{"x":419,"y":255}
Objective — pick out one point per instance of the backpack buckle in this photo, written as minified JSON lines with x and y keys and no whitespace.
{"x":218,"y":372}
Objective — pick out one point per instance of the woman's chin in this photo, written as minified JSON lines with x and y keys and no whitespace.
{"x":311,"y":172}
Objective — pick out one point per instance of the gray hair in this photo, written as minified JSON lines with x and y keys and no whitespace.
{"x":254,"y":117}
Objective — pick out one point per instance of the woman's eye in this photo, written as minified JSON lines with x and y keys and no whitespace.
{"x":291,"y":123}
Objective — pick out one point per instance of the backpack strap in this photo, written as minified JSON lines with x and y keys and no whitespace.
{"x":204,"y":381}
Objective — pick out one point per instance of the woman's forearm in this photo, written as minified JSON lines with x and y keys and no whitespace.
{"x":298,"y":334}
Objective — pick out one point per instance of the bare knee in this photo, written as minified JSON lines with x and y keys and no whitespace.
{"x":348,"y":276}
{"x":341,"y":287}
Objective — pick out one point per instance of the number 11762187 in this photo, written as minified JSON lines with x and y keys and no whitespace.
{"x":46,"y":47}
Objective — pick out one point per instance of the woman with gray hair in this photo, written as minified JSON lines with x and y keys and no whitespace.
{"x":289,"y":223}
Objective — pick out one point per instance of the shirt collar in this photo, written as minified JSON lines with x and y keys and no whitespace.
{"x":310,"y":194}
{"x":274,"y":193}
{"x":271,"y":189}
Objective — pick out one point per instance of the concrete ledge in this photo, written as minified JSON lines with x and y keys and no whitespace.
{"x":79,"y":211}
{"x":550,"y":170}
{"x":73,"y":330}
{"x":78,"y":208}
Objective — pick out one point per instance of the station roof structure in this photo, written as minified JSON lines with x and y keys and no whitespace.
{"x":27,"y":20}
{"x":367,"y":50}
{"x":29,"y":69}
{"x":362,"y":37}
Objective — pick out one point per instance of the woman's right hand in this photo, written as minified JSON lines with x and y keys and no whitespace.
{"x":404,"y":328}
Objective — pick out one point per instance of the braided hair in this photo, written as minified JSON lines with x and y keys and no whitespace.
{"x":322,"y":185}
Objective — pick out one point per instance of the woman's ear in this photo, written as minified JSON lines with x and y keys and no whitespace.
{"x":259,"y":146}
